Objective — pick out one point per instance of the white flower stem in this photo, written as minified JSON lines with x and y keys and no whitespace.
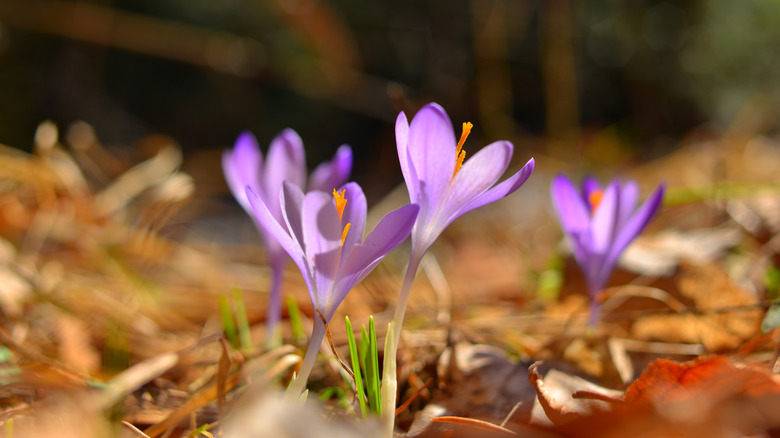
{"x":593,"y":321}
{"x":298,"y":385}
{"x":389,"y":379}
{"x":403,"y":297}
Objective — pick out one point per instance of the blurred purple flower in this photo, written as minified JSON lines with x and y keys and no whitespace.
{"x":323,"y":234}
{"x":599,"y":223}
{"x":437,"y":178}
{"x":286,"y":161}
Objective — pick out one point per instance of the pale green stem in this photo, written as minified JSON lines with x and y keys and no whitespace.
{"x":298,"y":385}
{"x":390,"y":385}
{"x":403,"y":297}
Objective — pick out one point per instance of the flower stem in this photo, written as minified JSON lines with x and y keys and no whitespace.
{"x":594,"y":313}
{"x":403,"y":297}
{"x":298,"y":385}
{"x":388,"y":391}
{"x":274,"y":313}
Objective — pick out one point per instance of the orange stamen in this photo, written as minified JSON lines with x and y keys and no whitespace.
{"x":460,"y":154}
{"x":344,"y":233}
{"x":595,"y":199}
{"x":341,"y":201}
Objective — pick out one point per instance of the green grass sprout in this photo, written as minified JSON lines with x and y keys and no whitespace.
{"x":242,"y":321}
{"x":372,"y":377}
{"x":228,"y":325}
{"x":353,"y":354}
{"x":296,"y":323}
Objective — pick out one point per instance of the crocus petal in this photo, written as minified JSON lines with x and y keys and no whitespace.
{"x":479,"y":173}
{"x":503,"y":189}
{"x":402,"y":142}
{"x":589,"y":185}
{"x":572,"y":211}
{"x":278,"y":232}
{"x":635,"y":225}
{"x":629,"y":192}
{"x":431,"y":147}
{"x":603,"y":226}
{"x":391,"y":230}
{"x":285,"y":162}
{"x":291,"y":203}
{"x":330,"y":175}
{"x":322,"y":234}
{"x":354,"y":213}
{"x":574,"y":215}
{"x":242,"y":166}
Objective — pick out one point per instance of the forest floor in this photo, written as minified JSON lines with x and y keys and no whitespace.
{"x":119,"y":269}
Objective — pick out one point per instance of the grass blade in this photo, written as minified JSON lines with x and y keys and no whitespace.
{"x":242,"y":321}
{"x":353,"y":354}
{"x":363,"y":349}
{"x":373,"y":365}
{"x":228,"y":326}
{"x":296,"y":323}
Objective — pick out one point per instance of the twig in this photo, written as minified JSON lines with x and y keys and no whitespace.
{"x":333,"y":347}
{"x":511,"y":413}
{"x":413,"y":397}
{"x":474,"y":424}
{"x":135,"y":430}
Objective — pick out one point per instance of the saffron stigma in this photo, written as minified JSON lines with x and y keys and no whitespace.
{"x":341,"y":202}
{"x":460,"y":154}
{"x":594,"y":199}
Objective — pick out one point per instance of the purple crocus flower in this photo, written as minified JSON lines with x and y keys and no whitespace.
{"x":437,"y":178}
{"x":445,"y":186}
{"x":323,"y":234}
{"x":286,"y":161}
{"x":442,"y":184}
{"x":599,"y":223}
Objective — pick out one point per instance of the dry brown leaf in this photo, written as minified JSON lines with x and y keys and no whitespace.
{"x":556,"y":412}
{"x":75,"y":349}
{"x":588,"y":359}
{"x":718,"y":328}
{"x":660,"y":254}
{"x":704,"y":398}
{"x":714,"y":378}
{"x":487,"y":387}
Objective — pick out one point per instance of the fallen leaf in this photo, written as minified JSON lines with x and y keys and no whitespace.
{"x":483,"y":384}
{"x":666,"y":381}
{"x":556,"y":412}
{"x":717,"y":327}
{"x":707,"y":398}
{"x":557,"y":389}
{"x":661,"y":253}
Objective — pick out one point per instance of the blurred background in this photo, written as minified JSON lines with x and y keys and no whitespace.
{"x":597,"y":82}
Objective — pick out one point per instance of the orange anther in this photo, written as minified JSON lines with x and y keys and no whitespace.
{"x":594,"y":198}
{"x":344,"y":233}
{"x":341,"y":201}
{"x":460,"y":154}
